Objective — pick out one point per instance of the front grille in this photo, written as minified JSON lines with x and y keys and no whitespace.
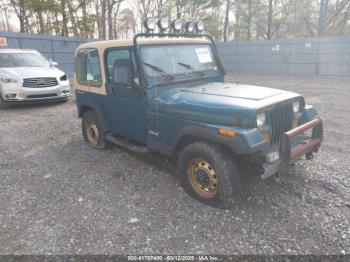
{"x":40,"y":82}
{"x":42,"y":96}
{"x":281,"y":121}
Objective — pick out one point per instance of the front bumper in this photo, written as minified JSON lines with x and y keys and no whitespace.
{"x":17,"y":95}
{"x":294,"y":144}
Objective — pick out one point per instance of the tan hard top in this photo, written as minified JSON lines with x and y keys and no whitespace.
{"x":149,"y":41}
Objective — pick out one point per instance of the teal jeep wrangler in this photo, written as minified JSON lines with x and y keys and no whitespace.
{"x":166,"y":93}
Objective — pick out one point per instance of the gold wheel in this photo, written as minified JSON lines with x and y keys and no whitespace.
{"x":92,"y":133}
{"x":202,"y":178}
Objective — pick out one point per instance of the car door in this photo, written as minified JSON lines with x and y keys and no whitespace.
{"x":126,"y":98}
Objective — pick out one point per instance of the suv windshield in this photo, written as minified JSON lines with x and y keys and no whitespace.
{"x":23,"y":60}
{"x":164,"y":64}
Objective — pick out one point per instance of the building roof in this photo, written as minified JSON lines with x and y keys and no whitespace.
{"x":142,"y":41}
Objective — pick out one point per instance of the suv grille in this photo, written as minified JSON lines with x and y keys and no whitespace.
{"x":40,"y":82}
{"x":281,"y":121}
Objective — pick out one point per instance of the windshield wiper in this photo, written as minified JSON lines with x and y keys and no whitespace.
{"x":161,"y":71}
{"x":191,"y":68}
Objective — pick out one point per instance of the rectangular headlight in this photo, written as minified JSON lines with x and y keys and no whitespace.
{"x":261,"y":120}
{"x":296,"y":107}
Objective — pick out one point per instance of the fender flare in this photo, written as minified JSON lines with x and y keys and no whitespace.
{"x":208,"y":133}
{"x":98,"y":109}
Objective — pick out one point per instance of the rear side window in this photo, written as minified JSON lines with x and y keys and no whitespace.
{"x":87,"y":67}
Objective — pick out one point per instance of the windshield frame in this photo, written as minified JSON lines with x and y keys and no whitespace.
{"x":39,"y":55}
{"x":147,"y":82}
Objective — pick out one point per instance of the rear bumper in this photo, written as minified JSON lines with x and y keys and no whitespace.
{"x":294,"y":144}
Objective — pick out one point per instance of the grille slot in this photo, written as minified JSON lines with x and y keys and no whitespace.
{"x":40,"y":82}
{"x":281,"y":121}
{"x":42,"y":96}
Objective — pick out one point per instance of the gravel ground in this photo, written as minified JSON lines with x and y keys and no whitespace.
{"x":58,"y":196}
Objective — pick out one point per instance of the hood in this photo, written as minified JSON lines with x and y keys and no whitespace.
{"x":31,"y":72}
{"x":247,"y":92}
{"x":221,"y":103}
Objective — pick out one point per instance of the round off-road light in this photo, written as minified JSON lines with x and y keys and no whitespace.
{"x":199,"y":26}
{"x":177,"y":24}
{"x":150,"y":24}
{"x":163,"y":23}
{"x":189,"y":26}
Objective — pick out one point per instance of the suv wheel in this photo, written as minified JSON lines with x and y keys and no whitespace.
{"x":209,"y":174}
{"x":3,"y":105}
{"x":93,"y":132}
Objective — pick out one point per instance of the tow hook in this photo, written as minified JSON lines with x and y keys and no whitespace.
{"x":309,"y":156}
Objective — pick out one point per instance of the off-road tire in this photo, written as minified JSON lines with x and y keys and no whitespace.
{"x":101,"y":142}
{"x":225,"y":169}
{"x":3,"y":105}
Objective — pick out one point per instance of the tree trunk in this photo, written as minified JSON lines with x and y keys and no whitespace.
{"x":178,"y":9}
{"x":269,"y":20}
{"x":249,"y":20}
{"x":64,"y":18}
{"x":227,"y":12}
{"x":84,"y":12}
{"x":238,"y":26}
{"x":322,"y":17}
{"x":103,"y":18}
{"x":110,"y":4}
{"x":22,"y":16}
{"x":41,"y":22}
{"x":7,"y":20}
{"x":72,"y":19}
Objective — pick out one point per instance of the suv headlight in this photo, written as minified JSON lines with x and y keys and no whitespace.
{"x":261,"y":120}
{"x":8,"y":80}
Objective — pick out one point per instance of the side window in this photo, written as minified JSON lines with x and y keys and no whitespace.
{"x":87,"y":68}
{"x":119,"y":63}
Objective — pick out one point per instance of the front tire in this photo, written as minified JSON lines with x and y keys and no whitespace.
{"x":93,"y":132}
{"x":208,"y":173}
{"x":3,"y":105}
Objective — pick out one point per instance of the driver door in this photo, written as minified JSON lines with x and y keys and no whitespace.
{"x":126,"y":101}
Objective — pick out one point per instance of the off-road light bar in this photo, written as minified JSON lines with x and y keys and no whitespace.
{"x":163,"y":24}
{"x":199,"y":26}
{"x":176,"y":25}
{"x":189,"y":26}
{"x":150,"y":24}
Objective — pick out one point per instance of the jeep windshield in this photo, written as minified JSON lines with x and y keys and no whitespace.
{"x":23,"y":60}
{"x":172,"y":63}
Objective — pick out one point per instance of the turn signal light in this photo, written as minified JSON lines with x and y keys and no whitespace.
{"x":295,"y":124}
{"x":225,"y":132}
{"x":266,"y":136}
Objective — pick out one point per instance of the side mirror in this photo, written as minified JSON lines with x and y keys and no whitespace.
{"x":53,"y":63}
{"x":122,"y":75}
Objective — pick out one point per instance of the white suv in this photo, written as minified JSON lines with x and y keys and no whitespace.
{"x":27,"y":76}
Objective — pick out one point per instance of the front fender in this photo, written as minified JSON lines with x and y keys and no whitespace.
{"x":309,"y":113}
{"x":84,"y":102}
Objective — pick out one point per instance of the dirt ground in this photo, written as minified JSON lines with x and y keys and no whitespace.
{"x":58,"y":196}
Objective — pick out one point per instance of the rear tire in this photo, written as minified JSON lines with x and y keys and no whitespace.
{"x":93,"y":132}
{"x":208,"y":173}
{"x":3,"y":105}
